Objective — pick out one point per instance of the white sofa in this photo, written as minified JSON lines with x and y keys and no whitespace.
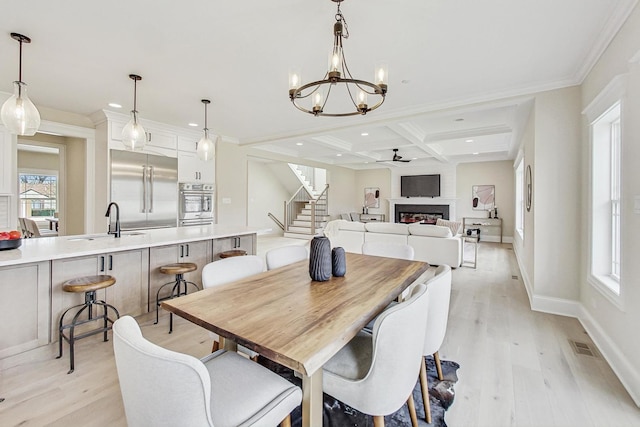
{"x":434,"y":244}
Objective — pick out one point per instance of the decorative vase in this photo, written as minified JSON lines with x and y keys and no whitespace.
{"x":338,"y":262}
{"x":320,"y":259}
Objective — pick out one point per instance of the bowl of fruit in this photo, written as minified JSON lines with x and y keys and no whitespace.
{"x":10,"y":239}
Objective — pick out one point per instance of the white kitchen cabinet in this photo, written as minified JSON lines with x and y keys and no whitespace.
{"x":198,"y":253}
{"x":25,"y":307}
{"x":159,"y":141}
{"x":192,"y":169}
{"x":247,"y":243}
{"x":129,"y":295}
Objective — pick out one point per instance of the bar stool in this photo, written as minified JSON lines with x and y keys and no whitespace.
{"x":232,"y":253}
{"x":179,"y":269}
{"x":89,"y":285}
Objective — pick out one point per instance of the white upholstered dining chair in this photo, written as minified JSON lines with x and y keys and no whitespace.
{"x":164,"y":388}
{"x":439,"y":296}
{"x":228,"y":270}
{"x":285,"y":255}
{"x":376,"y":373}
{"x":389,"y":250}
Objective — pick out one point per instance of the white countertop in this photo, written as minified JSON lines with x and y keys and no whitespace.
{"x":50,"y":248}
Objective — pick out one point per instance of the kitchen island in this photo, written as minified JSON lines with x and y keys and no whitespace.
{"x":32,"y":275}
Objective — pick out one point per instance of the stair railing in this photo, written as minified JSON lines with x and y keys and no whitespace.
{"x":276,"y":220}
{"x":319,"y":208}
{"x":294,"y":206}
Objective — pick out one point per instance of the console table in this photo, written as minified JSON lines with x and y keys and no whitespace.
{"x":371,"y":217}
{"x":468,"y":222}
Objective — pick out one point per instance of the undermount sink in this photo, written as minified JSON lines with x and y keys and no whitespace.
{"x":105,"y":236}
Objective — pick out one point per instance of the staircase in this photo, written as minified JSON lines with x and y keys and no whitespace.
{"x":301,"y":226}
{"x":306,"y":213}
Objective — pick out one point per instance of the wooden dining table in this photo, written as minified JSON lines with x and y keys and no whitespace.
{"x":290,"y":319}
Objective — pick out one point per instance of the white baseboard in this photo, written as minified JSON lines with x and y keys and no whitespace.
{"x":626,"y":372}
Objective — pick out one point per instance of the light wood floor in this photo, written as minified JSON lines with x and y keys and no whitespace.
{"x":517,"y":368}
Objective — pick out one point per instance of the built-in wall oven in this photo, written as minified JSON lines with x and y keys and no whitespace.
{"x":196,"y":204}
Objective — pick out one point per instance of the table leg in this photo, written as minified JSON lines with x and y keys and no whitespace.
{"x":228,"y":344}
{"x":312,"y":399}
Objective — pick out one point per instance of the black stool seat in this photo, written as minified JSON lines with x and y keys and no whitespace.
{"x":89,"y":285}
{"x":179,"y":287}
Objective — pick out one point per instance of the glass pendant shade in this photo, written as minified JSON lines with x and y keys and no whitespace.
{"x":19,"y":115}
{"x":206,"y":147}
{"x":134,"y":136}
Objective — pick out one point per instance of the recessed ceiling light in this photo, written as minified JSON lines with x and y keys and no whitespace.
{"x":476,"y":153}
{"x":193,"y":124}
{"x":459,"y":120}
{"x":299,"y":143}
{"x":339,"y":155}
{"x":414,"y":158}
{"x":364,"y":134}
{"x":469,"y":140}
{"x":114,"y":105}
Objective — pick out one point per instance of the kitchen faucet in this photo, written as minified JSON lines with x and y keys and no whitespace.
{"x":115,"y":233}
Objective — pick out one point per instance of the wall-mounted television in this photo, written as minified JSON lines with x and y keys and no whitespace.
{"x":420,"y":185}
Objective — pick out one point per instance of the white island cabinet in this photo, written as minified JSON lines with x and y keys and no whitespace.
{"x":32,"y":275}
{"x":24,"y":307}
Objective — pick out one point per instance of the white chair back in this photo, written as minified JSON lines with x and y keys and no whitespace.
{"x":439,"y":296}
{"x":389,"y":250}
{"x":398,"y":338}
{"x":231,"y":269}
{"x":159,"y":386}
{"x":279,"y":257}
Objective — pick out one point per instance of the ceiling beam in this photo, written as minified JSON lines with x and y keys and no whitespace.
{"x":416,"y":135}
{"x":468,"y":133}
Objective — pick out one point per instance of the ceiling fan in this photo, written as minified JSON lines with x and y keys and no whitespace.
{"x":396,"y":158}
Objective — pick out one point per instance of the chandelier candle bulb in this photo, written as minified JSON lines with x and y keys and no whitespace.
{"x":317,"y":102}
{"x":362,"y":102}
{"x":294,"y":81}
{"x":382,"y":75}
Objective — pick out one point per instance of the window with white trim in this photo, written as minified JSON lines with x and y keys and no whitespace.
{"x":520,"y":199}
{"x":605,"y":199}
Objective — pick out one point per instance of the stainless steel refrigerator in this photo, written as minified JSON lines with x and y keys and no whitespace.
{"x":145,"y":187}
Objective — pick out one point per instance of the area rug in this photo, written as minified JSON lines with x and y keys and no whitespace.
{"x":337,"y":414}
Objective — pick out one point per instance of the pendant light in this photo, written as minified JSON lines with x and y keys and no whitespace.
{"x":19,"y":115}
{"x":133,"y":135}
{"x":205,"y":146}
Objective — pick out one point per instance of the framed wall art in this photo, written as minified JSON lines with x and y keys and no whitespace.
{"x":483,"y":197}
{"x":372,"y":197}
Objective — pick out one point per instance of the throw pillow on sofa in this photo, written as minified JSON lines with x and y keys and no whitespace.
{"x":429,"y":230}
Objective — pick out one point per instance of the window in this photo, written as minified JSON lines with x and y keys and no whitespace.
{"x":520,"y":199}
{"x":38,"y":194}
{"x":605,"y":200}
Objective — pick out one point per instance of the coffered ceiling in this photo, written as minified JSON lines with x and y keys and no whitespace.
{"x":460,"y":71}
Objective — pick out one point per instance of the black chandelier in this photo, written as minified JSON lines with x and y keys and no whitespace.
{"x":337,"y":75}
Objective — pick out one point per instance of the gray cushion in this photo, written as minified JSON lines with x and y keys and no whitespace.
{"x":243,"y":393}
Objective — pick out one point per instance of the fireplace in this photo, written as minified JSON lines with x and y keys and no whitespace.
{"x":423,"y":214}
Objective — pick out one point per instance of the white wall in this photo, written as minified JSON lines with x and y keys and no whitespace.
{"x":557,"y":193}
{"x":266,"y":194}
{"x":501,"y":175}
{"x":380,"y":178}
{"x":615,"y":329}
